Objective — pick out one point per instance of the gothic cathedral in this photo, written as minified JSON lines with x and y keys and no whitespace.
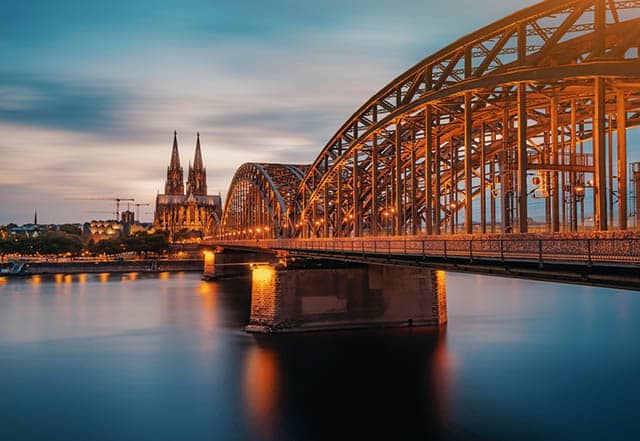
{"x":192,"y":211}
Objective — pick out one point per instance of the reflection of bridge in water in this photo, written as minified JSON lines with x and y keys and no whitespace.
{"x":505,"y":152}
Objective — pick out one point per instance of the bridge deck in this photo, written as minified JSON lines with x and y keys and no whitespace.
{"x":607,"y":261}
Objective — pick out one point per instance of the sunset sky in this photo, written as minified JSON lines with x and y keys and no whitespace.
{"x":91,"y":91}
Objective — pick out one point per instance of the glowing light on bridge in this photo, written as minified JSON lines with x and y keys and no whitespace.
{"x":209,"y":262}
{"x":262,"y":274}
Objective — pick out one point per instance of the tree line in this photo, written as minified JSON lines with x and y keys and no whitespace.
{"x":65,"y":242}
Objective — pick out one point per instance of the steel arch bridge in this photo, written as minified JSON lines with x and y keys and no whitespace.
{"x":261,"y":200}
{"x":518,"y":127}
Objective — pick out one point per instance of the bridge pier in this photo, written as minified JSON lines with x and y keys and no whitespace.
{"x":223,"y":263}
{"x":300,"y":297}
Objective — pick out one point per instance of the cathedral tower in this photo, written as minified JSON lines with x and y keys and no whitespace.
{"x":197,"y":178}
{"x":190,"y":216}
{"x":175,"y":174}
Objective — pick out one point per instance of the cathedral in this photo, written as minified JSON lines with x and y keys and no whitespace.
{"x":191,"y":211}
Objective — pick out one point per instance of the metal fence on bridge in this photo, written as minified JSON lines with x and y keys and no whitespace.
{"x":504,"y":248}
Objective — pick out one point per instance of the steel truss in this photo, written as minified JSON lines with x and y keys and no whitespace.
{"x":260,"y":200}
{"x":524,"y":118}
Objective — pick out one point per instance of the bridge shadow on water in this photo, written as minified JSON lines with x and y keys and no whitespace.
{"x":356,"y":385}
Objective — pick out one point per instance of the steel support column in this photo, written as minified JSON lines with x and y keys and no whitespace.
{"x":338,"y":216}
{"x":398,"y":181}
{"x":357,"y":206}
{"x":325,"y":217}
{"x":574,"y":143}
{"x":483,"y":181}
{"x":555,"y":191}
{"x":437,"y":195}
{"x":599,"y":153}
{"x":522,"y":157}
{"x":468,"y":189}
{"x":414,"y":187}
{"x":428,"y":167}
{"x":621,"y":126}
{"x":374,"y":185}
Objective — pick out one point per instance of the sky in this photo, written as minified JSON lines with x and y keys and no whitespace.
{"x":91,"y":91}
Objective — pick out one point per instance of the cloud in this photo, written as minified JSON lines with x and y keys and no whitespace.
{"x":29,"y":100}
{"x":96,"y":89}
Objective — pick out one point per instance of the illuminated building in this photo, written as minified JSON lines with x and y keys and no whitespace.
{"x":193,"y":211}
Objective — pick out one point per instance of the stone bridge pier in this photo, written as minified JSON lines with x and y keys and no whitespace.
{"x":221,"y":263}
{"x":307,"y":295}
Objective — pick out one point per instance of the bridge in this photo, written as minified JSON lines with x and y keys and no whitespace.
{"x":504,"y":153}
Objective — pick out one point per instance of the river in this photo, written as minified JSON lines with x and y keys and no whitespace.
{"x":164,"y":357}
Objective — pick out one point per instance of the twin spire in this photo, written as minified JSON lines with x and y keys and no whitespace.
{"x":197,"y":175}
{"x":175,"y":156}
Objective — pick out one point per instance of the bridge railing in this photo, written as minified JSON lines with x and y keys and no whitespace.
{"x":575,"y":249}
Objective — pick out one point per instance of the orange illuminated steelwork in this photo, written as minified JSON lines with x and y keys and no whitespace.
{"x":516,"y":117}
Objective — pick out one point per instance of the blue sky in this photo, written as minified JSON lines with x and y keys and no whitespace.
{"x":90,"y":92}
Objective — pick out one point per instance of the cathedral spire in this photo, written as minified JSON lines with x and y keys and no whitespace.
{"x":197,"y":177}
{"x":175,"y":179}
{"x":175,"y":156}
{"x":197,"y":162}
{"x":35,"y":217}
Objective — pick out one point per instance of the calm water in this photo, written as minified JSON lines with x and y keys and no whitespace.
{"x":115,"y":357}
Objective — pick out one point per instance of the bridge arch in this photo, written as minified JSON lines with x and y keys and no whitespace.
{"x":524,"y":118}
{"x":259,"y":201}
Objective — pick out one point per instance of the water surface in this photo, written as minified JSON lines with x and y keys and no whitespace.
{"x":164,"y":357}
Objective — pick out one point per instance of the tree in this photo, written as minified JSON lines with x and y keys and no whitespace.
{"x":57,"y":242}
{"x":71,"y":229}
{"x":109,"y":247}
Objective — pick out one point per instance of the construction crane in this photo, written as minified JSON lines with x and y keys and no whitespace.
{"x":117,"y":200}
{"x":138,"y":209}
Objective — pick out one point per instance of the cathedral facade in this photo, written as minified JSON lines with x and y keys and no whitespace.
{"x":192,"y":211}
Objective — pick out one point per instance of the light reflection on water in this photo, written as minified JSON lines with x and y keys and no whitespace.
{"x":164,"y":357}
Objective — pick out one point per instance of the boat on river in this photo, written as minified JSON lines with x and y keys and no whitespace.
{"x":14,"y":268}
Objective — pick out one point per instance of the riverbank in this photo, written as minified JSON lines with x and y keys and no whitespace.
{"x":114,"y":266}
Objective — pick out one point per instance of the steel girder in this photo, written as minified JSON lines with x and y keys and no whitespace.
{"x":538,"y":91}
